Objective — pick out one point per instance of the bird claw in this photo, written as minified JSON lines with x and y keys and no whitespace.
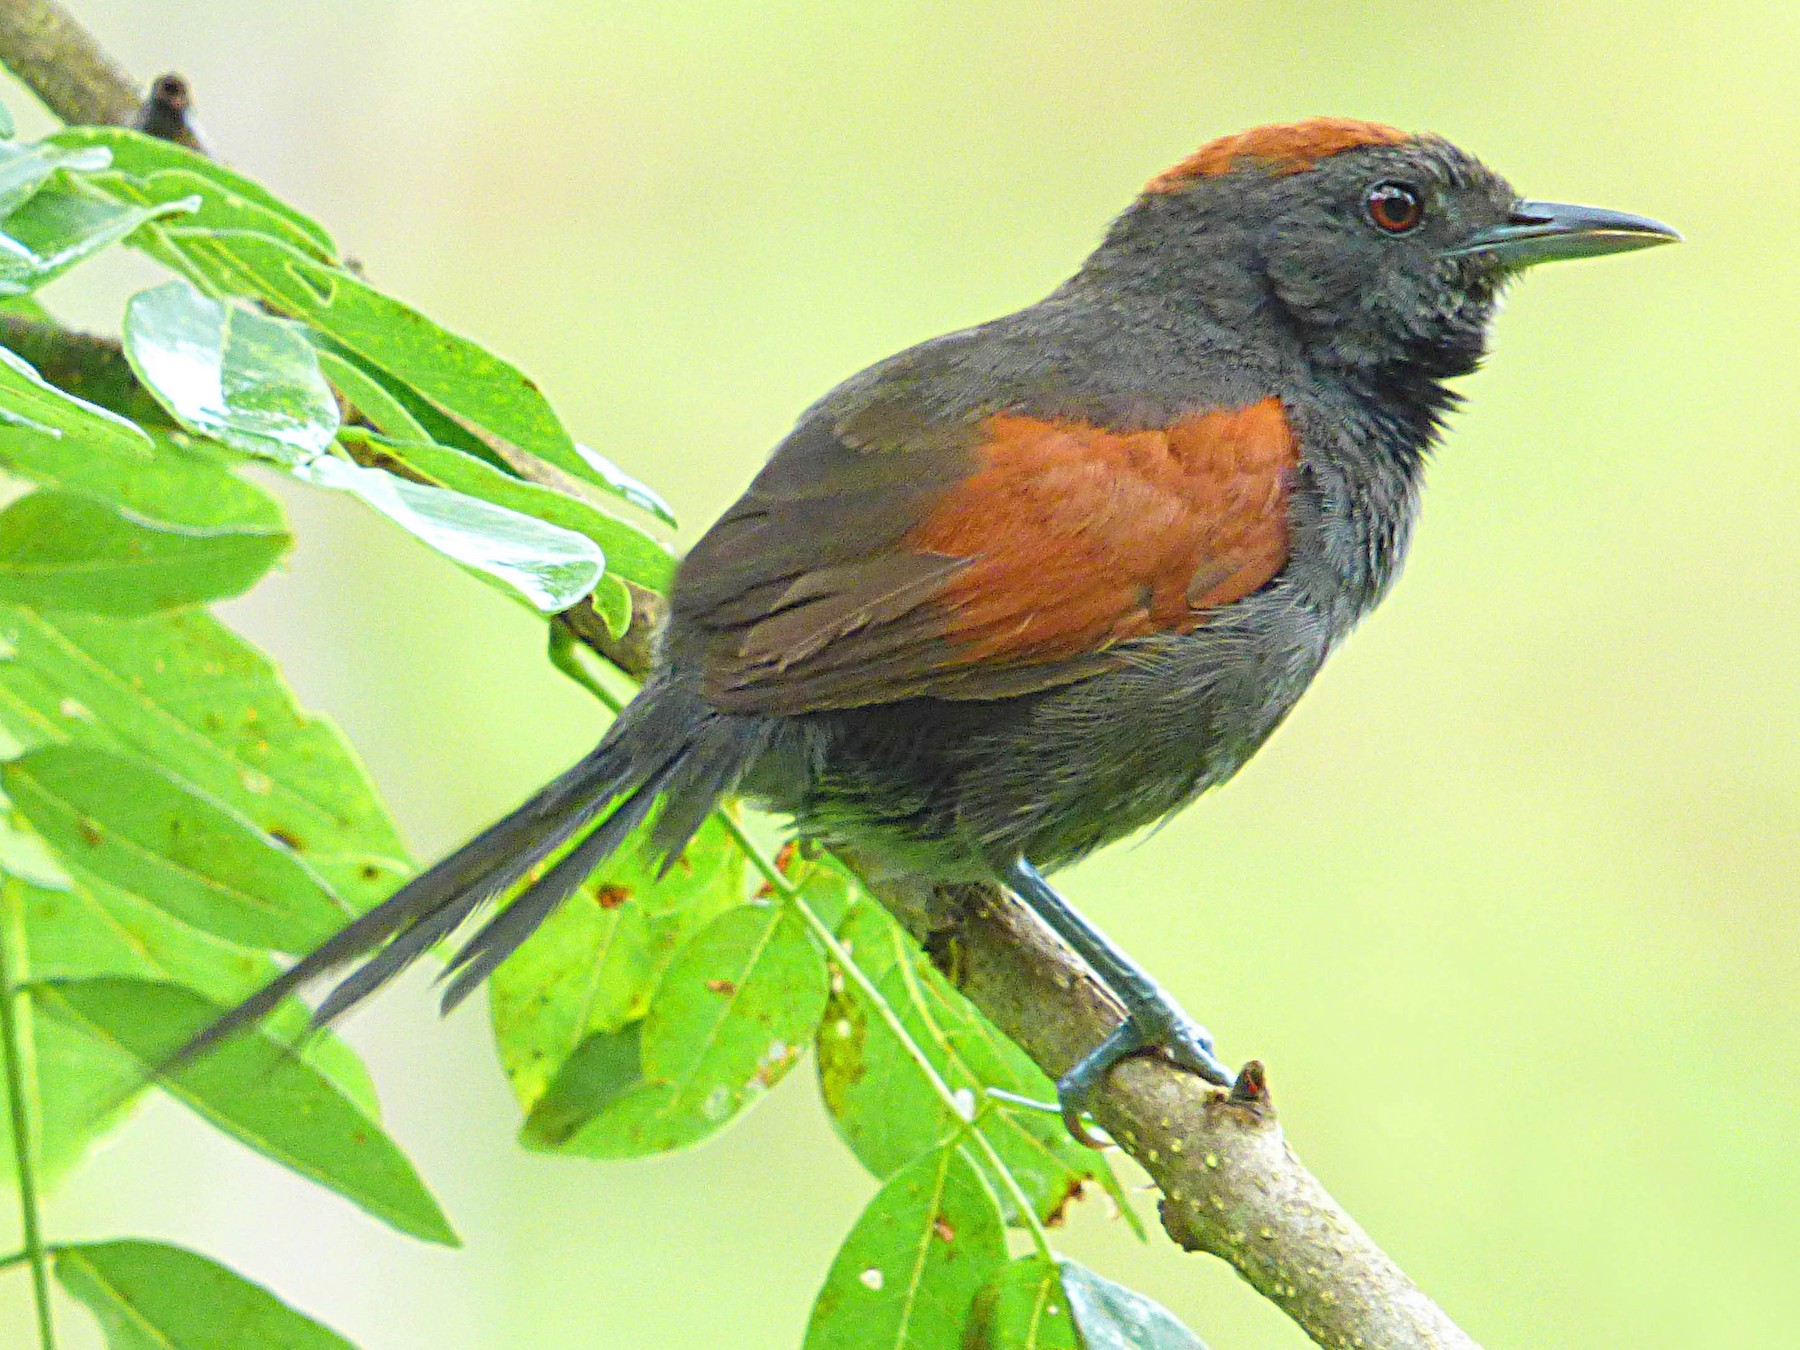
{"x":1152,"y":1024}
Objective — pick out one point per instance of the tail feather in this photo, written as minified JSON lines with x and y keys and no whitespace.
{"x":699,"y":779}
{"x":407,"y":946}
{"x":479,"y":872}
{"x":667,"y":746}
{"x":503,"y":934}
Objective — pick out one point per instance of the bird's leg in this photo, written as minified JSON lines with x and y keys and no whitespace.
{"x":1152,"y":1019}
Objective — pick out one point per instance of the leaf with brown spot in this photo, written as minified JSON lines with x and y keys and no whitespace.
{"x":135,"y":827}
{"x":595,"y":962}
{"x":183,"y":692}
{"x":881,"y":1103}
{"x":1022,"y":1308}
{"x":899,"y":1283}
{"x":707,"y":1054}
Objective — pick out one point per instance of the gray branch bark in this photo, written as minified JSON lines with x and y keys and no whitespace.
{"x":1231,"y":1185}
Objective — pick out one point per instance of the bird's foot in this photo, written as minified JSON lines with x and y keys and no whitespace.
{"x":1154,"y":1022}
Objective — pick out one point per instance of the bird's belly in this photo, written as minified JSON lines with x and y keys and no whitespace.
{"x":954,"y":789}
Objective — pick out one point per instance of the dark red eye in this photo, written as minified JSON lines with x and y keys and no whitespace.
{"x":1395,"y":208}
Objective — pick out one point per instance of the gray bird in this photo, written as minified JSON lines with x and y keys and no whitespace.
{"x":1026,"y":588}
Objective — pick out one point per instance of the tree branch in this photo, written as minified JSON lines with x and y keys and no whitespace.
{"x":1231,"y":1185}
{"x":59,"y":61}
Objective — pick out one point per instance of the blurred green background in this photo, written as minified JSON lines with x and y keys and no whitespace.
{"x":1508,"y":907}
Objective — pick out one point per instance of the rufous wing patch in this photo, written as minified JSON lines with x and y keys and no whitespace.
{"x":1284,"y":148}
{"x":1056,"y":540}
{"x":1079,"y":537}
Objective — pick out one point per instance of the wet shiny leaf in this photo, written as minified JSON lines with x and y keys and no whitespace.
{"x":490,"y":399}
{"x":549,"y":566}
{"x":639,"y":493}
{"x":55,"y":230}
{"x":226,"y":371}
{"x":630,"y":552}
{"x":26,"y":168}
{"x":1112,"y":1317}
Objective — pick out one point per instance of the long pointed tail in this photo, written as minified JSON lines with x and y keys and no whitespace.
{"x":659,"y":749}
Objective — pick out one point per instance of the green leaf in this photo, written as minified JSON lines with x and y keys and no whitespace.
{"x":728,"y":1020}
{"x":594,"y":963}
{"x":255,"y":1089}
{"x":254,"y":383}
{"x":629,"y":551}
{"x":91,"y":928}
{"x":133,"y":826}
{"x":1022,"y":1308}
{"x":880,"y":1101}
{"x":151,"y":1296}
{"x":64,"y":442}
{"x":550,"y":567}
{"x":370,"y":397}
{"x":226,"y":371}
{"x":30,"y":406}
{"x":142,"y":156}
{"x":26,"y":168}
{"x":186,"y":486}
{"x":612,"y":602}
{"x":218,"y":209}
{"x":1112,"y":1317}
{"x":26,"y":307}
{"x":604,"y":1069}
{"x":86,"y":928}
{"x":908,"y":1273}
{"x":55,"y":230}
{"x":487,"y":397}
{"x":185,"y":693}
{"x":59,"y":551}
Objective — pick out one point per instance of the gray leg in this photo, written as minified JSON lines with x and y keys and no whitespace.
{"x":1152,"y":1018}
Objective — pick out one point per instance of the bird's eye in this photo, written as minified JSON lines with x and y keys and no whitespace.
{"x":1395,"y":208}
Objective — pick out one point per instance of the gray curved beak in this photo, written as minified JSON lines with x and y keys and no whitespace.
{"x":1538,"y":232}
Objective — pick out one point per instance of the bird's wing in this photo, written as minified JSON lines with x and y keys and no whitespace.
{"x":1012,"y":555}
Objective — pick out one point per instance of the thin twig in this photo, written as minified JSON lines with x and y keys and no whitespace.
{"x":1231,"y":1185}
{"x":12,"y":930}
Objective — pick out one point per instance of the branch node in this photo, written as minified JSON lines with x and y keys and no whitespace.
{"x":164,"y":113}
{"x":1252,"y":1086}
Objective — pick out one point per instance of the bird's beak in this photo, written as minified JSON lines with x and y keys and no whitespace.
{"x":1536,"y":232}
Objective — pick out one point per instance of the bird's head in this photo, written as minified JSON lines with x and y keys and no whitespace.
{"x":1372,"y":246}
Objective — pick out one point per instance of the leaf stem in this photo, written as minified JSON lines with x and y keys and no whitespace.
{"x":24,"y":1148}
{"x":884,"y":1009}
{"x":12,"y":1260}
